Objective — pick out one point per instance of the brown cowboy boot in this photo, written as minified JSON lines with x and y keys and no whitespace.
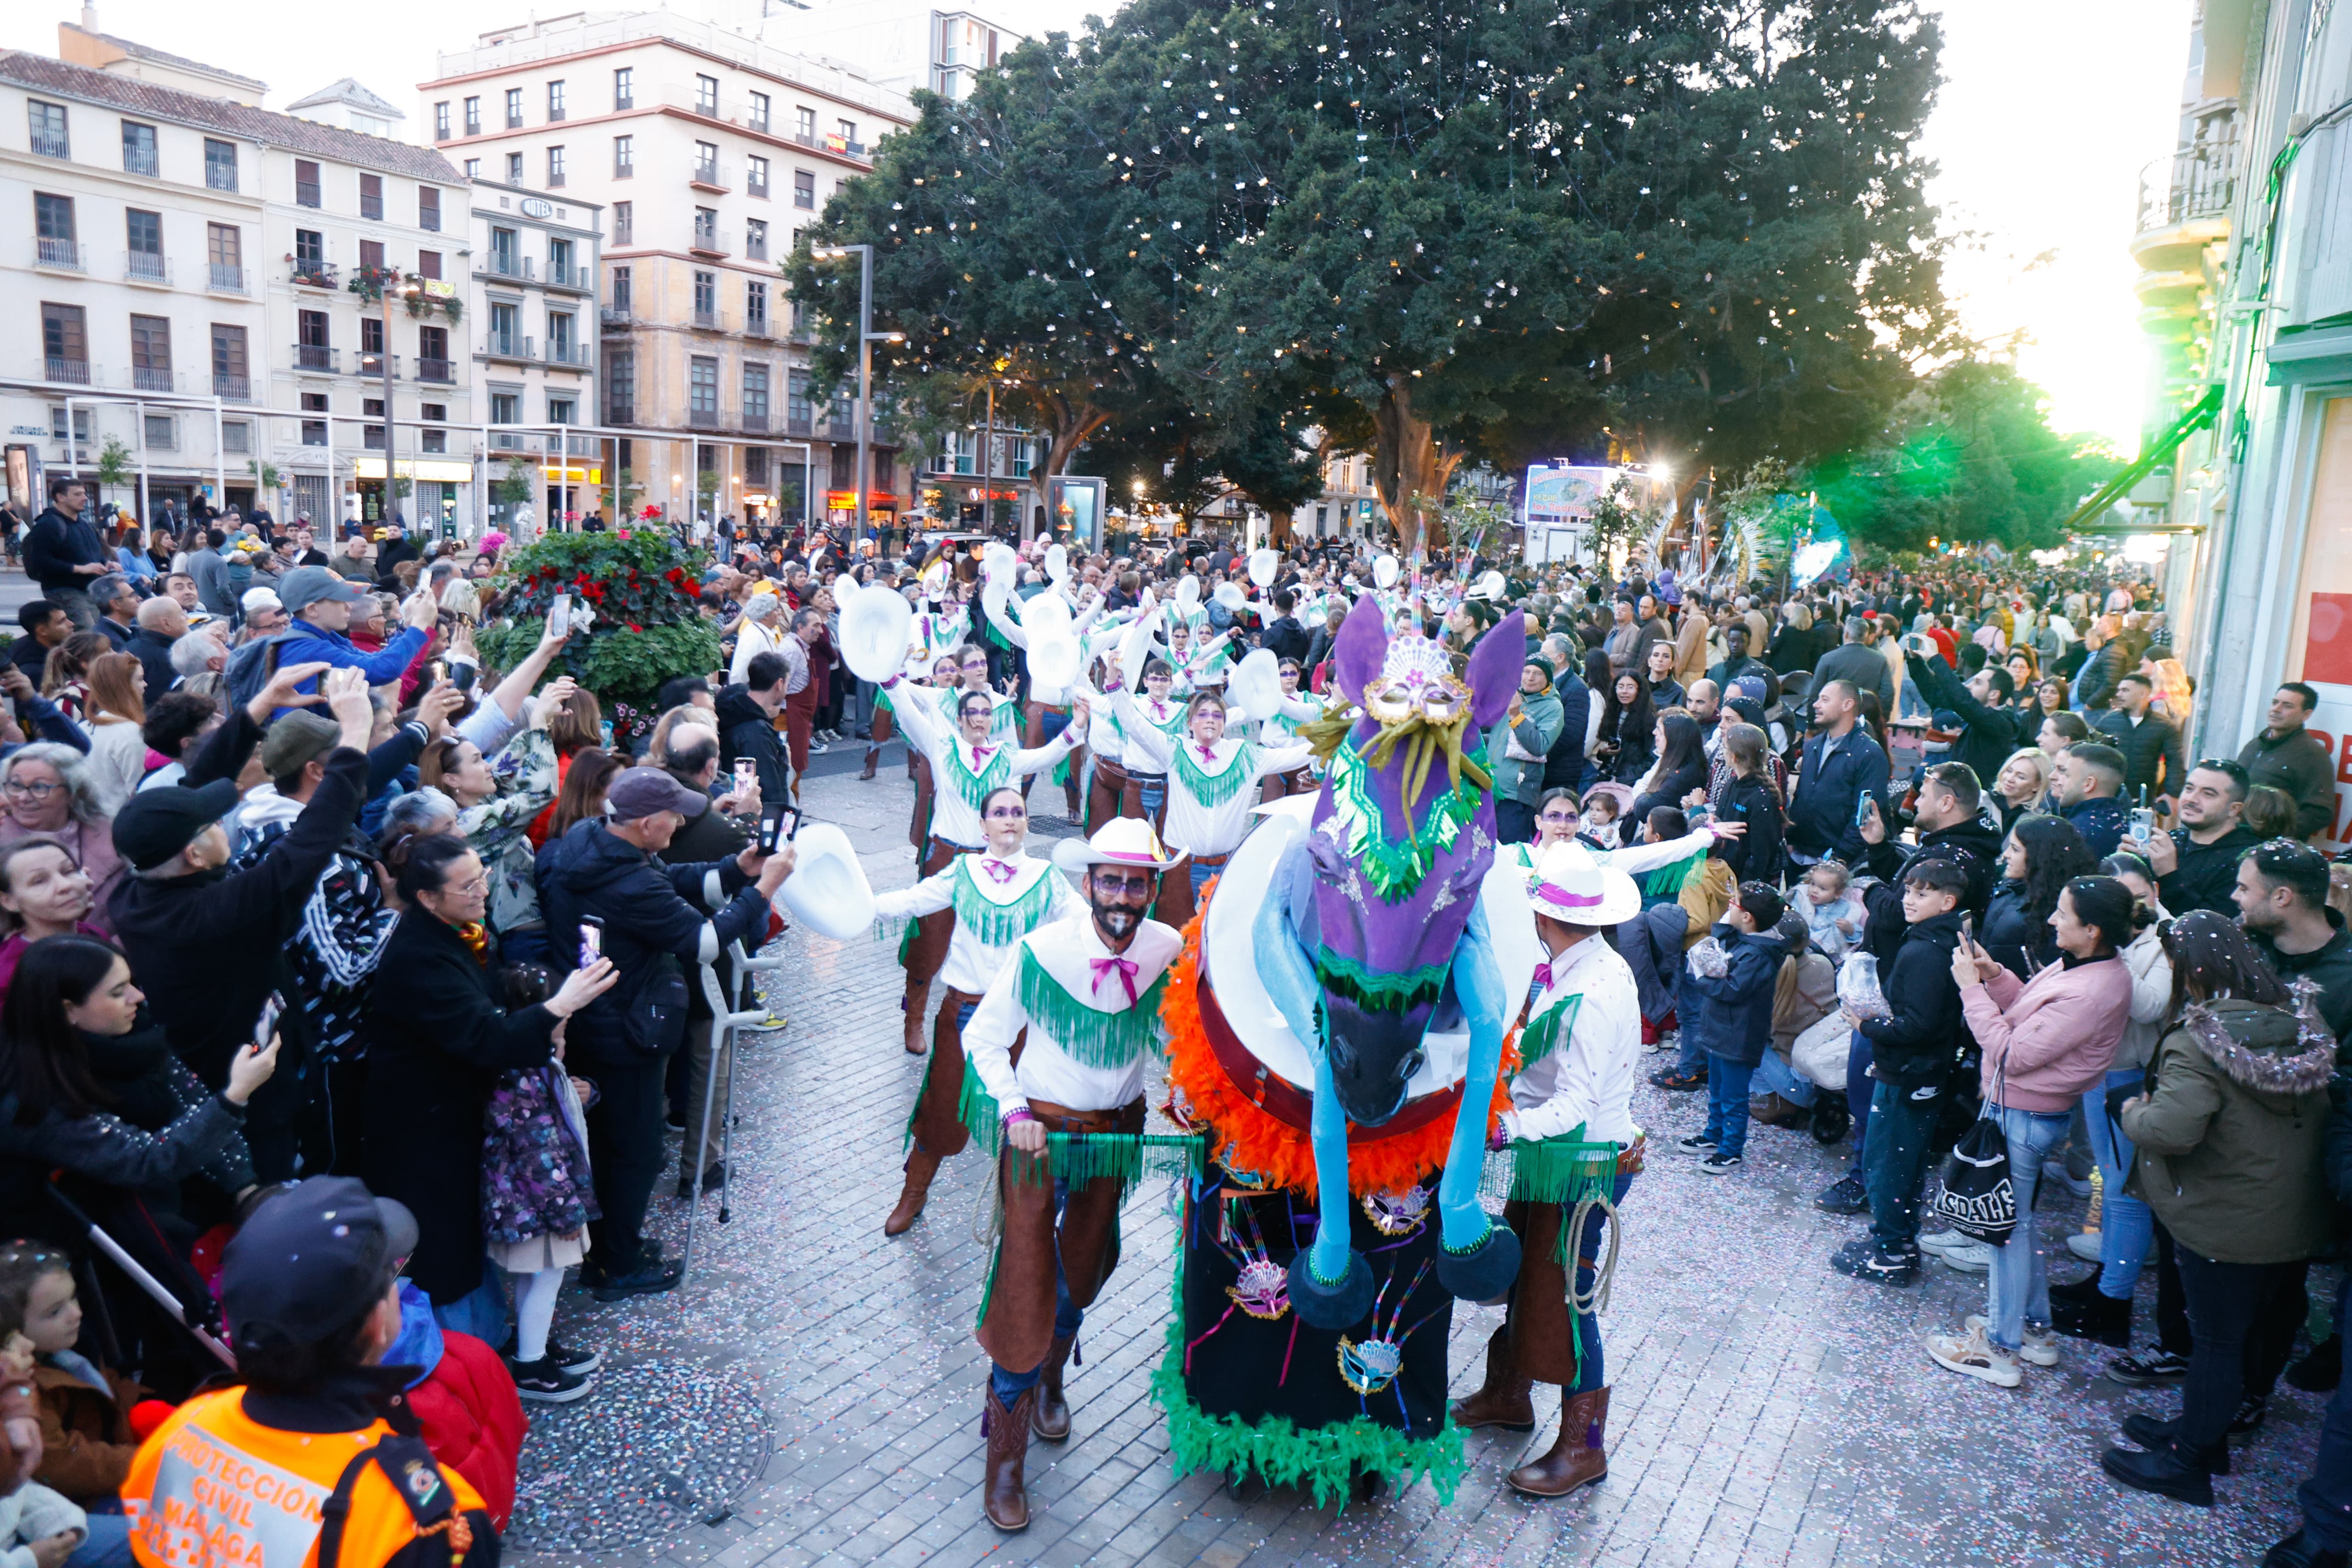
{"x":921,"y":1168}
{"x":1051,"y":1420}
{"x":918,"y":1001}
{"x":872,"y":753}
{"x":1577,"y":1458}
{"x":1502,"y":1400}
{"x":1005,"y":1498}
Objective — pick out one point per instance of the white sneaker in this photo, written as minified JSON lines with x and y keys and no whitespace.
{"x":1967,"y":1257}
{"x":2041,"y":1346}
{"x":2085,"y":1245}
{"x":1972,"y":1355}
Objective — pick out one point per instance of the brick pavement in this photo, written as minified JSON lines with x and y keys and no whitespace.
{"x":1765,"y":1411}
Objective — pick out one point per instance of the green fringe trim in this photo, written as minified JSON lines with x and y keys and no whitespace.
{"x":1666,"y":881}
{"x":1384,"y":992}
{"x":907,"y":939}
{"x":1538,"y":1040}
{"x":1212,"y":790}
{"x":1127,"y":1156}
{"x":1395,"y":863}
{"x":1006,"y":721}
{"x":882,"y":700}
{"x":979,"y":1111}
{"x":974,"y":787}
{"x":1087,"y":1035}
{"x":1323,"y":1459}
{"x":994,"y":924}
{"x":1564,"y":1170}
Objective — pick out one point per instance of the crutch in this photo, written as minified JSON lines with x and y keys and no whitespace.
{"x":725,"y":1019}
{"x":154,"y":1287}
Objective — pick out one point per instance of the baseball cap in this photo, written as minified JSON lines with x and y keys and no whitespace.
{"x":309,"y":1261}
{"x":307,"y":586}
{"x":640,"y":792}
{"x":156,"y":823}
{"x":298,"y":738}
{"x":261,"y":599}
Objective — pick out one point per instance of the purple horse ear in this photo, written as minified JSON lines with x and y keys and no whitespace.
{"x":1495,"y":666}
{"x":1358,"y":650}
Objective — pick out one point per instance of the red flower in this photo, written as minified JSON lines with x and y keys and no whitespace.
{"x":635,"y":627}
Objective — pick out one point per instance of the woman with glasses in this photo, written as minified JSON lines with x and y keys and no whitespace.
{"x":999,"y":893}
{"x":440,"y":1037}
{"x":45,"y":791}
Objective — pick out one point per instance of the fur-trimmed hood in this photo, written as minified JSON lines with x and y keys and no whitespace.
{"x":2266,"y":1050}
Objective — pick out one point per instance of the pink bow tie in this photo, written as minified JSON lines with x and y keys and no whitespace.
{"x":1208,"y":753}
{"x":1122,"y":967}
{"x":999,"y":870}
{"x":1543,"y":977}
{"x":980,"y":754}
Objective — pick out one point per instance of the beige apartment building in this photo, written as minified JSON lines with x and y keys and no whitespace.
{"x":708,"y":151}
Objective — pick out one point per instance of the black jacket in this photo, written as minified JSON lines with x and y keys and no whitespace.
{"x":2152,"y":752}
{"x":1821,"y":814}
{"x":1760,"y":854}
{"x":1916,"y":1045}
{"x":2013,"y":934}
{"x":2097,"y":683}
{"x":438,"y":1038}
{"x":27,"y":653}
{"x":2206,"y":872}
{"x":1739,"y":1008}
{"x":745,"y":729}
{"x":2299,"y":764}
{"x":390,"y":555}
{"x":2328,"y":966}
{"x":1973,"y":844}
{"x":154,"y":655}
{"x":1991,"y":732}
{"x":1284,"y":638}
{"x":650,"y":910}
{"x":1566,"y":766}
{"x":56,"y":545}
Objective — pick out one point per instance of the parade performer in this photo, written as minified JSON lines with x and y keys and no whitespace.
{"x":933,"y":634}
{"x":1084,"y":994}
{"x":1047,"y":706}
{"x":1572,"y":1111}
{"x":1211,"y":785}
{"x":997,"y":896}
{"x":1335,"y":1031}
{"x":967,"y":763}
{"x":945,"y":675}
{"x":1280,"y":728}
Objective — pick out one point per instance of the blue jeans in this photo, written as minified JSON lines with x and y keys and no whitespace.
{"x":1860,"y":1089}
{"x":1897,"y":1164}
{"x":2020,"y":1291}
{"x":1067,"y":1316}
{"x":1200,"y":874}
{"x":1591,"y":1370}
{"x":1690,"y":1054}
{"x":2126,"y":1227}
{"x":1726,"y":1103}
{"x":1774,"y":1075}
{"x":107,"y":1545}
{"x":2326,"y":1496}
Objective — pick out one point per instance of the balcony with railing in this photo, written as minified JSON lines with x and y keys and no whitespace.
{"x":578,"y":279}
{"x":702,"y":418}
{"x":146,"y":267}
{"x":505,"y":264}
{"x":574,"y":354}
{"x":755,"y":424}
{"x":755,"y":326}
{"x":710,"y":176}
{"x":2185,"y":198}
{"x":708,"y":320}
{"x":58,"y":255}
{"x":307,"y":194}
{"x":796,"y":422}
{"x":615,"y":318}
{"x":71,"y":372}
{"x":509,"y":345}
{"x":377,"y":365}
{"x":314,"y":356}
{"x":310,"y":274}
{"x":153,"y":378}
{"x":49,"y":143}
{"x":707,"y":242}
{"x":226,"y":277}
{"x":235,"y":388}
{"x":436,"y":370}
{"x":138,"y":160}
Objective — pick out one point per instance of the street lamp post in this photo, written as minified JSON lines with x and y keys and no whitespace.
{"x":866,"y":338}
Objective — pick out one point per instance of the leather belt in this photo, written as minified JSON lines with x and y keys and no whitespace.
{"x":959,"y":848}
{"x":1212,"y":860}
{"x":1293,"y":1105}
{"x":1062,"y":1119}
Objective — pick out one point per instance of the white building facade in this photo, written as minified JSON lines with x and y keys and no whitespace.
{"x":531,"y":297}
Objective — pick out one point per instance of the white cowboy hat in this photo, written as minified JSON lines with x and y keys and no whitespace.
{"x":1263,"y":566}
{"x":877,"y":625}
{"x":1057,"y":564}
{"x":827,"y":889}
{"x":1256,"y":683}
{"x":1122,"y":841}
{"x":1188,"y":595}
{"x":1054,"y":656}
{"x":1230,"y":595}
{"x":1572,"y":888}
{"x":1384,"y":572}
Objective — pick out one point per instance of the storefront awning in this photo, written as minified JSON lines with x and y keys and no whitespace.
{"x":2317,"y":351}
{"x":2198,"y":415}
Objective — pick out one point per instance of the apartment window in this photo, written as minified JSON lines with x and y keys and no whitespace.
{"x":621,"y":387}
{"x":225,"y":256}
{"x":706,"y":162}
{"x":236,"y":436}
{"x":796,"y":398}
{"x":48,"y":126}
{"x":314,"y":431}
{"x":755,"y":466}
{"x":804,"y":189}
{"x":232,"y":369}
{"x":53,"y":226}
{"x":706,"y":298}
{"x":159,"y":435}
{"x":306,"y":183}
{"x":705,"y":228}
{"x":220,"y":163}
{"x":624,"y":157}
{"x":138,"y":148}
{"x":150,"y":353}
{"x":433,"y":357}
{"x":142,"y":238}
{"x":309,"y":248}
{"x":562,"y":333}
{"x":57,"y":423}
{"x":514,"y":108}
{"x":505,"y":337}
{"x":554,"y":167}
{"x":372,"y":197}
{"x":428,"y":208}
{"x":441,"y":120}
{"x":311,"y":329}
{"x":625,"y":89}
{"x":759,"y":111}
{"x":473,"y":168}
{"x":706,"y":95}
{"x":514,"y":168}
{"x":504,"y":259}
{"x":755,"y":393}
{"x":755,"y":308}
{"x":554,"y":102}
{"x":473,"y":117}
{"x":371,"y":334}
{"x":624,"y":223}
{"x":559,"y":263}
{"x":755,"y":242}
{"x":371,"y":255}
{"x":755,"y":176}
{"x":847,"y":131}
{"x":702,"y":388}
{"x":805,"y":124}
{"x":563,"y":411}
{"x":621,"y":290}
{"x":505,"y":408}
{"x":428,"y":264}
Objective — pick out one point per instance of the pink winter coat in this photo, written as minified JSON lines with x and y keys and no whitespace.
{"x":2053,"y":1035}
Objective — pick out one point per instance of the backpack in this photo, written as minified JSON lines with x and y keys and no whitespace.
{"x":251,"y":667}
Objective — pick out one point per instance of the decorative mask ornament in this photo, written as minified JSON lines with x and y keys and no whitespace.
{"x":1397,"y":1213}
{"x":1416,"y":680}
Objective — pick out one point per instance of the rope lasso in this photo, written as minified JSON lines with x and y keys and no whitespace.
{"x":1595,"y":1301}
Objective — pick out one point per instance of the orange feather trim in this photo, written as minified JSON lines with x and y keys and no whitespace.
{"x":1249,"y":1138}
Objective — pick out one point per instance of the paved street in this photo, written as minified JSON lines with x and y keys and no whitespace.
{"x":815,"y":1390}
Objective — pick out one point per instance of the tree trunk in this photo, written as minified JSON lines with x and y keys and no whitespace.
{"x":1067,"y":425}
{"x":1410,"y":470}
